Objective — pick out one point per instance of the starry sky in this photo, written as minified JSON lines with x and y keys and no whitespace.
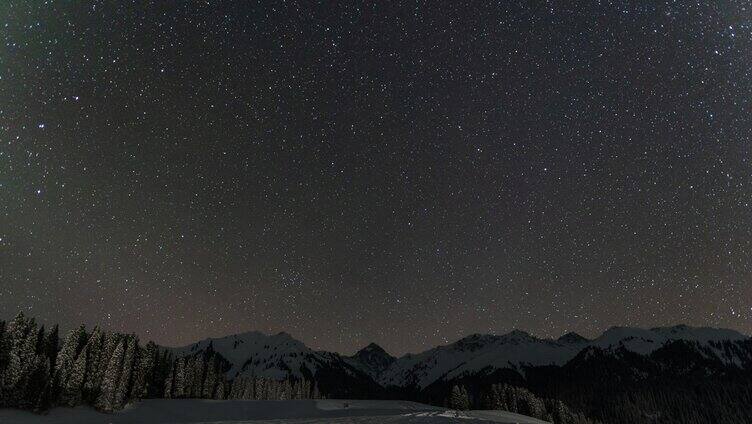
{"x":399,"y":172}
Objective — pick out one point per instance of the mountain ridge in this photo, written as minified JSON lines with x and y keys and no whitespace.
{"x":282,"y":356}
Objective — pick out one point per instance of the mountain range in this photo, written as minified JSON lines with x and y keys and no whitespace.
{"x":626,"y":375}
{"x":281,"y":356}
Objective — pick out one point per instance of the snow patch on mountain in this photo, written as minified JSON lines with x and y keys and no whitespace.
{"x":277,"y":356}
{"x":645,"y":341}
{"x":474,"y":354}
{"x":487,"y":353}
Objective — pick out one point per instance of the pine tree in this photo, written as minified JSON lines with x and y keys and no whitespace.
{"x":198,"y":369}
{"x":10,"y":365}
{"x":458,"y":399}
{"x":95,"y":365}
{"x":67,"y":357}
{"x":169,"y":384}
{"x":161,"y":372}
{"x":21,"y":346}
{"x":51,"y":345}
{"x":4,"y":352}
{"x":123,"y":387}
{"x":178,"y":389}
{"x":285,"y":390}
{"x":147,"y":359}
{"x":221,"y":389}
{"x":210,"y":382}
{"x":237,"y":387}
{"x":39,"y":341}
{"x":258,"y":389}
{"x":232,"y":394}
{"x":34,"y":396}
{"x":29,"y":363}
{"x":46,"y":398}
{"x":111,"y":379}
{"x":72,"y":390}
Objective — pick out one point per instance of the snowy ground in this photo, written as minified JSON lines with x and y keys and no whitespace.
{"x":257,"y":412}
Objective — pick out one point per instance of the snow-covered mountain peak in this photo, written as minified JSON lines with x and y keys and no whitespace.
{"x":517,"y":349}
{"x":474,"y":342}
{"x":645,"y":341}
{"x":372,"y":347}
{"x":519,"y":336}
{"x":255,"y":353}
{"x":572,"y":338}
{"x":476,"y":353}
{"x":698,"y":334}
{"x":372,"y":360}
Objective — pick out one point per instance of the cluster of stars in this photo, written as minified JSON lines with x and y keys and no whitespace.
{"x":352,"y":173}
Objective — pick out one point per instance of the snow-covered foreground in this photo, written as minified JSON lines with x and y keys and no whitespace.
{"x":258,"y":411}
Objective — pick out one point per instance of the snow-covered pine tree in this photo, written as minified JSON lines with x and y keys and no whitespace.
{"x":21,"y":339}
{"x":71,"y":393}
{"x":497,"y":398}
{"x":4,"y":350}
{"x":236,"y":389}
{"x":221,"y":389}
{"x":233,"y":389}
{"x":533,"y":406}
{"x":210,"y":382}
{"x":109,"y":344}
{"x":522,"y":401}
{"x":145,"y":369}
{"x":279,"y":390}
{"x":106,"y":399}
{"x":508,"y":398}
{"x":199,"y":375}
{"x":95,"y":365}
{"x":124,"y":383}
{"x":39,"y":376}
{"x":559,"y":413}
{"x":285,"y":390}
{"x":239,"y":387}
{"x":67,"y":356}
{"x":9,"y":363}
{"x":178,"y":388}
{"x":259,"y":389}
{"x":191,"y":369}
{"x":169,"y":383}
{"x":308,"y":389}
{"x":458,"y":398}
{"x":297,"y":389}
{"x":276,"y":389}
{"x":270,"y":389}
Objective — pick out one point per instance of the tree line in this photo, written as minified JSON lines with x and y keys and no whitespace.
{"x":515,"y":399}
{"x":107,"y":370}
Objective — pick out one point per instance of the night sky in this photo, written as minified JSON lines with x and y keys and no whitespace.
{"x":352,"y":172}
